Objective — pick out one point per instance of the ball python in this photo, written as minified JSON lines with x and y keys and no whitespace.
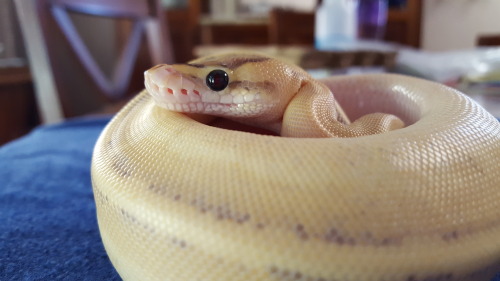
{"x":352,"y":178}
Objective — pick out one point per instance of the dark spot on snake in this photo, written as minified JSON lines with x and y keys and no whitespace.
{"x":331,"y":235}
{"x":340,"y":240}
{"x":177,"y":197}
{"x":411,"y":278}
{"x":474,"y":164}
{"x":351,"y":241}
{"x":243,"y":219}
{"x":221,"y":213}
{"x":182,"y":244}
{"x":298,"y":275}
{"x":301,"y":232}
{"x":392,"y":241}
{"x":450,"y":236}
{"x":259,"y":226}
{"x":303,"y":236}
{"x":333,"y":232}
{"x":120,"y":169}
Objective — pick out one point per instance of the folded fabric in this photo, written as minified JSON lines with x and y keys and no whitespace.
{"x":48,"y":226}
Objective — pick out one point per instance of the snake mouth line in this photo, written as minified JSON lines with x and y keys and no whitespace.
{"x":213,"y":108}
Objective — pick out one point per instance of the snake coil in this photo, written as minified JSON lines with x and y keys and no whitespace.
{"x":181,"y":200}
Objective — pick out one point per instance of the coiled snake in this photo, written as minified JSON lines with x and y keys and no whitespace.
{"x":406,"y":198}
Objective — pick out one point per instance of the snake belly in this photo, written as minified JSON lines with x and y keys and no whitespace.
{"x":179,"y":200}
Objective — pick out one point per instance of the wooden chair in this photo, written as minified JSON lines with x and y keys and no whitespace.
{"x":68,"y":79}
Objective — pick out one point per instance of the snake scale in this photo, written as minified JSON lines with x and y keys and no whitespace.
{"x":390,"y":178}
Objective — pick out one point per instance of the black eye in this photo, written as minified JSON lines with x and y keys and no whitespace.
{"x":217,"y":80}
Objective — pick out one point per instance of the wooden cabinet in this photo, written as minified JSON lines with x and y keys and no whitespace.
{"x":18,"y":112}
{"x":248,"y":32}
{"x":403,"y":24}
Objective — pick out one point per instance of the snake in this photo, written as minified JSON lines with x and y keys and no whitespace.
{"x":240,"y":166}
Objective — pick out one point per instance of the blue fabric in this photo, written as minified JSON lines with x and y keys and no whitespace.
{"x":48,"y":227}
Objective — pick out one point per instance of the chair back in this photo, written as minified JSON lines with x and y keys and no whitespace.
{"x":66,"y":38}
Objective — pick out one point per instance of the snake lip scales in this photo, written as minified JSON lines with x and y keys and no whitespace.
{"x":183,"y":93}
{"x":372,"y":178}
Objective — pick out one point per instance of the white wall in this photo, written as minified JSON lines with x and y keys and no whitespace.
{"x":455,"y":24}
{"x":303,"y":5}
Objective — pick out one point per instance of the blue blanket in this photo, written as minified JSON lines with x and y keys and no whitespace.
{"x":48,"y":227}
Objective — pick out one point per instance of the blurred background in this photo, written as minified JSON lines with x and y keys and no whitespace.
{"x":449,"y":41}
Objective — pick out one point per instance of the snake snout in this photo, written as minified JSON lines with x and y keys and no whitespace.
{"x":171,"y":89}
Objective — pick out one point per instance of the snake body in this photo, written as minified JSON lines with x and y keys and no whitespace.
{"x":407,"y":191}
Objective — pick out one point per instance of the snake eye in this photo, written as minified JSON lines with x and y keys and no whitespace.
{"x":217,"y":80}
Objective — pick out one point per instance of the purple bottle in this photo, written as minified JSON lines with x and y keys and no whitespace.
{"x":372,"y":18}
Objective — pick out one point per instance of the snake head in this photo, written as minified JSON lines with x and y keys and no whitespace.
{"x":233,"y":85}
